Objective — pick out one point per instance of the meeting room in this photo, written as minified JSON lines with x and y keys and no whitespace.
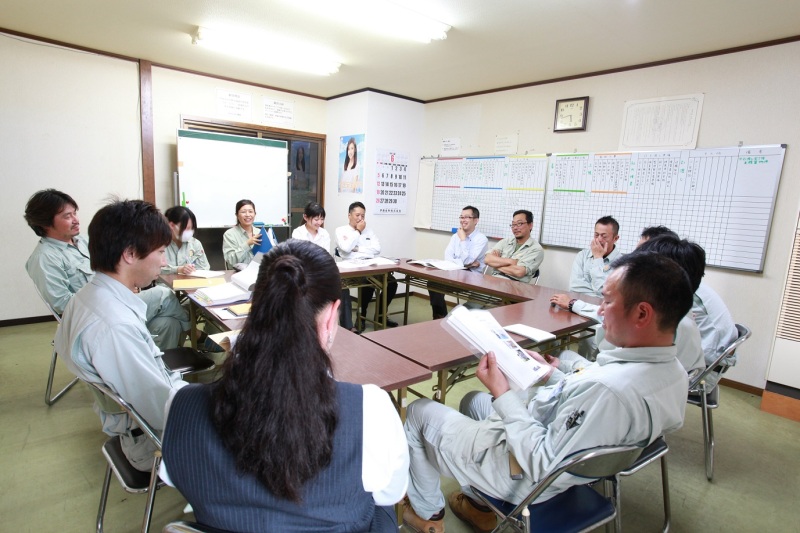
{"x":372,"y":265}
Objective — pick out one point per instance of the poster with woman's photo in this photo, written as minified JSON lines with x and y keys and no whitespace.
{"x":351,"y":167}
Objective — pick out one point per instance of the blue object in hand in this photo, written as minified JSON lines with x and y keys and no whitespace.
{"x":266,"y":243}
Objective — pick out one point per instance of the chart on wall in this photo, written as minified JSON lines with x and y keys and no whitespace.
{"x":497,"y":186}
{"x":721,"y":198}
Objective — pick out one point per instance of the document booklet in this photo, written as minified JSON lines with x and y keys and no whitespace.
{"x":479,"y":330}
{"x":195,"y":283}
{"x":240,"y":310}
{"x":226,"y":340}
{"x":246,"y":279}
{"x":227,"y":293}
{"x":365,"y":262}
{"x":441,"y":264}
{"x":206,"y":273}
{"x":536,"y":335}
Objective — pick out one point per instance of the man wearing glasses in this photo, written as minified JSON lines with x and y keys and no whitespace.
{"x":467,"y":247}
{"x":517,"y":257}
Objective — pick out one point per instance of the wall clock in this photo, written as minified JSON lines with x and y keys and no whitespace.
{"x":571,"y":114}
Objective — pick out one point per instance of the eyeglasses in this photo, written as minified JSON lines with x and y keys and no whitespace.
{"x":465,"y":218}
{"x":517,"y":224}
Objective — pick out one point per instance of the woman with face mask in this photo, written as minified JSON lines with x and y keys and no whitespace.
{"x":184,"y":254}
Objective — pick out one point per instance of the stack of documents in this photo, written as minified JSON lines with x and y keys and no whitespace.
{"x":238,"y":290}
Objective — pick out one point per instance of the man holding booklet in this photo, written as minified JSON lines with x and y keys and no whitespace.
{"x":635,"y":392}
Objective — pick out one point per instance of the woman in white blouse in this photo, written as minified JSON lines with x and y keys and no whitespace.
{"x":312,"y":230}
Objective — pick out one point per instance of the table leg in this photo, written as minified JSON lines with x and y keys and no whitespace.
{"x":407,"y":280}
{"x":384,"y":288}
{"x":193,"y":321}
{"x":402,"y":403}
{"x":441,"y":377}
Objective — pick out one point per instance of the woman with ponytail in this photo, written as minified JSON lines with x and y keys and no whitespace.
{"x":277,"y":444}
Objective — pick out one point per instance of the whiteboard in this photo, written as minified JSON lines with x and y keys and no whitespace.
{"x":720,"y":198}
{"x":496,"y":185}
{"x":216,"y":170}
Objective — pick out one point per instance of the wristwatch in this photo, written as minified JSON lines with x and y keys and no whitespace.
{"x":571,"y":303}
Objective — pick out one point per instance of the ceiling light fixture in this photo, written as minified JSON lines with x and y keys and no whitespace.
{"x":270,"y":50}
{"x":379,"y":16}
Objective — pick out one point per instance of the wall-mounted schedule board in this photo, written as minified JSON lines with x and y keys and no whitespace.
{"x":721,"y":198}
{"x":497,"y":186}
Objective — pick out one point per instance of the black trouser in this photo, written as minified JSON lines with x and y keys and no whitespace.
{"x":368,"y":292}
{"x":438,"y":305}
{"x":345,"y":309}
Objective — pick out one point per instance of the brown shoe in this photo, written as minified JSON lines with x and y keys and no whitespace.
{"x":420,"y":525}
{"x":463,"y":507}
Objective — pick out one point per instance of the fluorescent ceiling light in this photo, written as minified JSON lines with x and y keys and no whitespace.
{"x":270,"y":50}
{"x":379,"y":16}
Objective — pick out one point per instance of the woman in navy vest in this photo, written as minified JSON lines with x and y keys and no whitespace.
{"x":277,"y":444}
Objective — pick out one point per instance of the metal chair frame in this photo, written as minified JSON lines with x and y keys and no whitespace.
{"x":657,"y":449}
{"x":102,"y":392}
{"x":709,"y":399}
{"x":49,"y":398}
{"x":602,"y":462}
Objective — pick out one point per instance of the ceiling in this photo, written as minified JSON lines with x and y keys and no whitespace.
{"x":492,"y":44}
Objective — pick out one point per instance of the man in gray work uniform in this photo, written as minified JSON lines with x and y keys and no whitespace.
{"x":634,"y":393}
{"x":103,"y":338}
{"x":60,"y":266}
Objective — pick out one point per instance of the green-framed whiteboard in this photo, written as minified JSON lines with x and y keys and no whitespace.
{"x":216,"y":170}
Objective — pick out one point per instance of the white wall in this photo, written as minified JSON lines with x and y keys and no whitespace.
{"x":749,"y":97}
{"x":68,"y":120}
{"x":388,"y":123}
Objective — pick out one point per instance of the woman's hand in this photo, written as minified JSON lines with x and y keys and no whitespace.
{"x":254,"y":239}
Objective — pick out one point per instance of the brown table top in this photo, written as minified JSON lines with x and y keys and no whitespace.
{"x":357,"y":360}
{"x":428,"y":344}
{"x":366,"y":270}
{"x":498,"y":286}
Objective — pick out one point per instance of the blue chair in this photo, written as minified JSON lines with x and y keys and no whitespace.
{"x":709,"y":399}
{"x":579,"y":508}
